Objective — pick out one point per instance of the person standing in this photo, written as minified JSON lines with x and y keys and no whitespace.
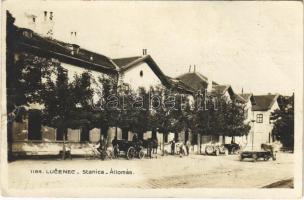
{"x":172,"y":147}
{"x":188,"y":145}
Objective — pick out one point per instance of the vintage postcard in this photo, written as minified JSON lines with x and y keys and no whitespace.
{"x":152,"y":99}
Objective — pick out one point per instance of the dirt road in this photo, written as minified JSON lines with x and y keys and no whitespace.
{"x":164,"y":172}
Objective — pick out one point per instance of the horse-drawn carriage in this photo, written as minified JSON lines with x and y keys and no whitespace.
{"x":130,"y":149}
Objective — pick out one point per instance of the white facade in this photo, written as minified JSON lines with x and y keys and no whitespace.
{"x":261,"y":129}
{"x":140,"y":76}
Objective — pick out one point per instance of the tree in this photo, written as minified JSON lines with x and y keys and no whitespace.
{"x":25,"y":73}
{"x":283,"y":118}
{"x":138,"y":113}
{"x":218,"y":116}
{"x":66,"y":104}
{"x":106,"y":113}
{"x":232,"y":118}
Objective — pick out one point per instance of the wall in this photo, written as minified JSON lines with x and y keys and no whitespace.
{"x":133,"y":78}
{"x":261,"y":132}
{"x":72,"y":70}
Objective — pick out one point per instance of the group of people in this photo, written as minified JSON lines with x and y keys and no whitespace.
{"x":183,"y":148}
{"x":176,"y":147}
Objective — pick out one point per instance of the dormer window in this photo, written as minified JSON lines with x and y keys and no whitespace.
{"x":141,"y":73}
{"x":28,"y":34}
{"x":74,"y":48}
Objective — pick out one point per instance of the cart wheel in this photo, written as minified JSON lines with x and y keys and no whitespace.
{"x":209,"y":150}
{"x":141,"y":154}
{"x":266,"y":158}
{"x":130,"y":153}
{"x":217,"y":152}
{"x":255,"y":157}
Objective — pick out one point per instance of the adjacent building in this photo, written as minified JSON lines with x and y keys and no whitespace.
{"x":262,"y":124}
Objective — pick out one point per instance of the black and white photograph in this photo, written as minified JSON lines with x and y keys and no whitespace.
{"x":152,"y":99}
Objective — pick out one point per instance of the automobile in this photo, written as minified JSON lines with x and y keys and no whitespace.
{"x":216,"y":149}
{"x":255,"y":155}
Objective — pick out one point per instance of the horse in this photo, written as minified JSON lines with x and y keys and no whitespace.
{"x":150,"y":144}
{"x":273,"y":148}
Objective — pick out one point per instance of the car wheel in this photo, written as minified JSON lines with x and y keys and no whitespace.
{"x":209,"y":150}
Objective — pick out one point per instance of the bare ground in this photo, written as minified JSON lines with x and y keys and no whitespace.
{"x":194,"y":171}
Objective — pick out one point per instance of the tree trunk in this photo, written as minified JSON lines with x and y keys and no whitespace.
{"x":104,"y":134}
{"x":198,"y":143}
{"x":175,"y":137}
{"x":65,"y":133}
{"x":186,"y":136}
{"x":125,"y":133}
{"x":85,"y":134}
{"x":141,"y":136}
{"x":154,"y":133}
{"x":165,"y":140}
{"x":59,"y":133}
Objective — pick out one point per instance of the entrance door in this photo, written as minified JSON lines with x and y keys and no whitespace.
{"x":34,"y":125}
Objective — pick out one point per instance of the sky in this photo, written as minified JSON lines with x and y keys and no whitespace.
{"x":257,"y":46}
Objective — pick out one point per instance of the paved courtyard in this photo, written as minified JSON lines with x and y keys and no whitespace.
{"x":163,"y":172}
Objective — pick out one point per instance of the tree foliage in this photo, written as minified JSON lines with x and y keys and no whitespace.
{"x":283,"y":118}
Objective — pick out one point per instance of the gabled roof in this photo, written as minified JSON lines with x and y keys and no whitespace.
{"x":125,"y":64}
{"x":122,"y":62}
{"x":194,"y":80}
{"x":28,"y":40}
{"x":264,"y":102}
{"x":248,"y":97}
{"x":180,"y":85}
{"x":220,"y":89}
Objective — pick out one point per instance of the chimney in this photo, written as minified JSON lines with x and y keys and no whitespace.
{"x":209,"y":87}
{"x":32,"y":21}
{"x":144,"y":52}
{"x":194,"y":68}
{"x":242,"y":91}
{"x":73,"y":37}
{"x":45,"y":15}
{"x":189,"y":68}
{"x":51,"y":16}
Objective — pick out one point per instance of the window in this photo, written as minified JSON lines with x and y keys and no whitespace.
{"x":259,"y":118}
{"x":141,"y":73}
